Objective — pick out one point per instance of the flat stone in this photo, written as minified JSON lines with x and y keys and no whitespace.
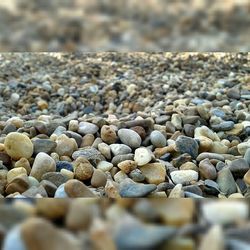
{"x":129,"y":137}
{"x":130,"y":189}
{"x":225,"y":181}
{"x":223,"y":126}
{"x":18,"y":145}
{"x":120,"y":149}
{"x":158,"y":139}
{"x":154,"y":173}
{"x":91,"y":154}
{"x":43,"y":145}
{"x":203,"y":156}
{"x":184,"y":176}
{"x":142,"y":156}
{"x":43,"y":164}
{"x":87,"y":128}
{"x":77,"y":189}
{"x":187,"y":145}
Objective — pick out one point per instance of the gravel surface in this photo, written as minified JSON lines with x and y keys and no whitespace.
{"x":125,"y":125}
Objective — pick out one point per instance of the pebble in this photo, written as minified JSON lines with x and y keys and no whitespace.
{"x":87,"y":128}
{"x":83,"y":169}
{"x":76,"y":189}
{"x":127,"y":166}
{"x":239,"y":167}
{"x":15,"y":172}
{"x":98,"y":179}
{"x":55,"y":177}
{"x":43,"y":164}
{"x":18,"y":146}
{"x":207,"y":170}
{"x":129,"y":137}
{"x":108,"y":134}
{"x":223,"y":126}
{"x":184,"y":176}
{"x":225,"y":181}
{"x":130,"y":189}
{"x":65,"y":146}
{"x":247,"y":156}
{"x":142,"y":156}
{"x":60,"y":192}
{"x":43,"y":145}
{"x":155,"y":173}
{"x":158,"y":139}
{"x":63,"y":165}
{"x":120,"y":149}
{"x":105,"y":166}
{"x":187,"y":145}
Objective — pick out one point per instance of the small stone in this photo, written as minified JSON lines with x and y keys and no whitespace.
{"x":55,"y":177}
{"x":210,"y":156}
{"x":23,"y":162}
{"x":239,"y":167}
{"x":247,"y":156}
{"x":73,"y":125}
{"x":65,"y":146}
{"x":238,"y":128}
{"x":142,"y":156}
{"x":76,"y":189}
{"x":177,"y":192}
{"x":43,"y":164}
{"x":63,"y":165}
{"x":120,"y":176}
{"x":119,"y":158}
{"x":129,"y":137}
{"x":184,"y":176}
{"x":13,"y":240}
{"x":189,"y":166}
{"x":207,"y":170}
{"x":105,"y":150}
{"x":19,"y":184}
{"x":154,"y":173}
{"x":187,"y":145}
{"x":136,"y":175}
{"x":226,"y":182}
{"x":120,"y":149}
{"x":49,"y":187}
{"x":60,"y":192}
{"x":15,"y":172}
{"x":42,"y":104}
{"x":108,"y":134}
{"x":34,"y":191}
{"x":247,"y":177}
{"x":44,"y":145}
{"x":223,"y":126}
{"x":130,"y":189}
{"x":127,"y":166}
{"x":87,"y":140}
{"x":18,"y":145}
{"x":98,"y":179}
{"x":140,"y":131}
{"x":243,"y":147}
{"x":158,"y":139}
{"x":177,"y":121}
{"x":87,"y":128}
{"x":105,"y":166}
{"x":83,"y":169}
{"x":233,"y":211}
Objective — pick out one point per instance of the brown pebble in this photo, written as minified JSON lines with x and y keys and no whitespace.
{"x":108,"y":134}
{"x":83,"y":169}
{"x":98,"y":179}
{"x":140,"y":131}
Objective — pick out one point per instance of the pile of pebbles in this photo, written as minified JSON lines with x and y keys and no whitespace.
{"x":182,"y":134}
{"x":160,"y":25}
{"x":124,"y":224}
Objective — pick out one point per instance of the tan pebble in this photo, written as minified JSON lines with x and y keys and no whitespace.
{"x":87,"y":140}
{"x":65,"y":145}
{"x":98,"y":179}
{"x":127,"y":166}
{"x":23,"y":162}
{"x":108,"y":134}
{"x":13,"y":173}
{"x":73,"y":125}
{"x":67,"y":173}
{"x":120,"y":176}
{"x":83,"y":169}
{"x":155,"y":173}
{"x":189,"y":166}
{"x":42,"y":105}
{"x":112,"y":190}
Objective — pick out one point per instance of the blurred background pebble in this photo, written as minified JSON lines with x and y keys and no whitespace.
{"x":131,"y":25}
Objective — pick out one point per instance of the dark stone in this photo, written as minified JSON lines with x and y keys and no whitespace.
{"x":187,"y":145}
{"x":64,"y":165}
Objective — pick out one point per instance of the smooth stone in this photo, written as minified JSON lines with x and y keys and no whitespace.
{"x":132,"y":235}
{"x":207,"y":170}
{"x":5,"y":158}
{"x":187,"y":145}
{"x":78,"y":138}
{"x":211,"y":187}
{"x":15,"y":172}
{"x":193,"y":189}
{"x":77,"y":189}
{"x":177,"y":192}
{"x":43,"y":164}
{"x":136,"y":175}
{"x":55,"y":177}
{"x":43,"y":145}
{"x":87,"y":128}
{"x":9,"y":128}
{"x":65,"y":145}
{"x":189,"y":166}
{"x":105,"y":166}
{"x":158,"y":139}
{"x":91,"y":154}
{"x":19,"y":184}
{"x":233,"y":244}
{"x":32,"y":228}
{"x":238,"y":128}
{"x":205,"y":132}
{"x":226,"y":182}
{"x":18,"y":146}
{"x":223,"y":126}
{"x":83,"y":169}
{"x":142,"y":156}
{"x":99,"y":178}
{"x":35,"y":192}
{"x":127,"y":166}
{"x":105,"y":150}
{"x":63,"y":165}
{"x":154,"y":173}
{"x":60,"y":192}
{"x":192,"y":195}
{"x":108,"y":134}
{"x":243,"y":147}
{"x":247,"y":177}
{"x":180,"y":160}
{"x":129,"y":137}
{"x":120,"y":149}
{"x":233,"y":211}
{"x":203,"y":156}
{"x":184,"y":176}
{"x":23,"y":162}
{"x":239,"y":167}
{"x":176,"y":120}
{"x":13,"y":240}
{"x":131,"y":189}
